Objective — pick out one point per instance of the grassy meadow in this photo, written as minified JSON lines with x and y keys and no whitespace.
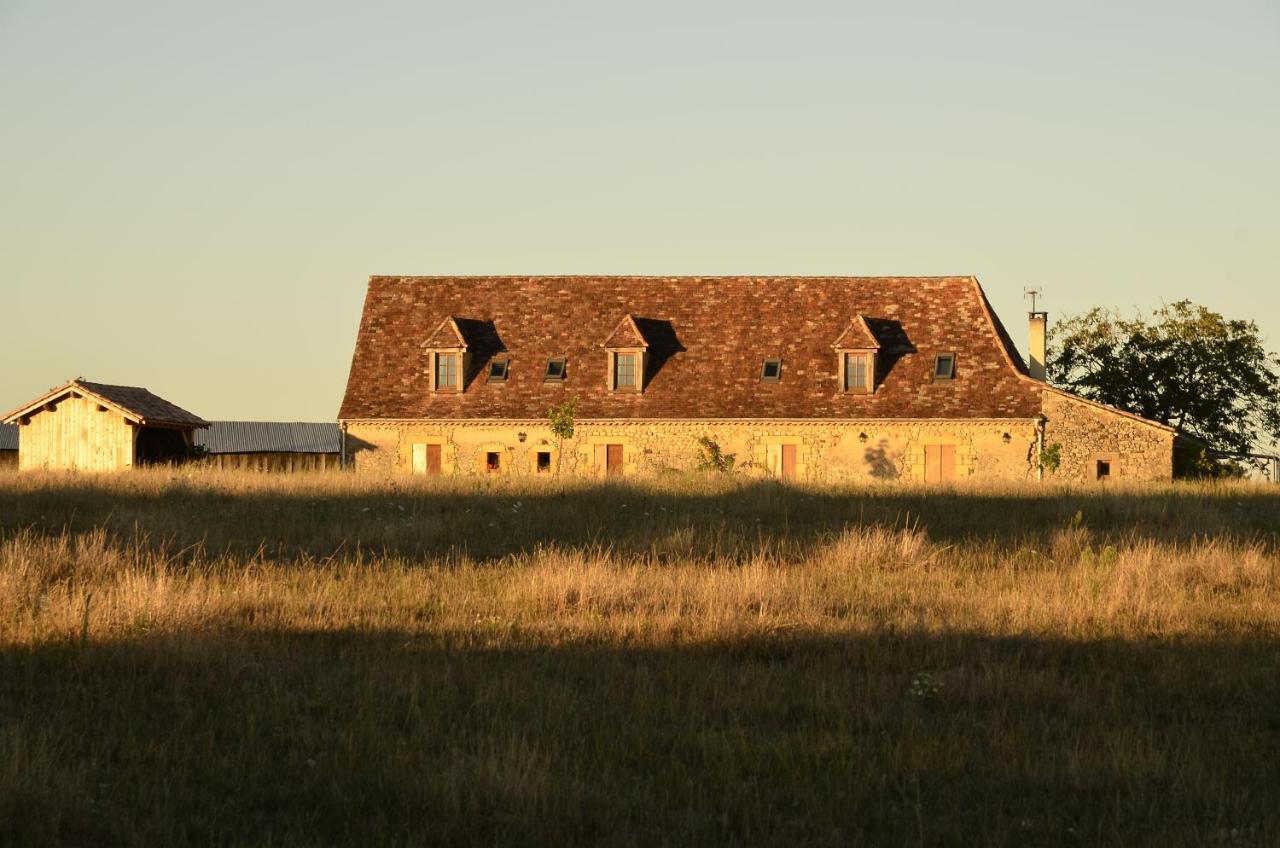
{"x":188,"y":657}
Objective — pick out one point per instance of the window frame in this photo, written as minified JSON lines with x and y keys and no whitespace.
{"x":634,"y":359}
{"x":437,"y":359}
{"x":504,"y":364}
{"x":938,"y":359}
{"x":868,"y":361}
{"x":776,"y":362}
{"x":494,"y":467}
{"x":562,"y":362}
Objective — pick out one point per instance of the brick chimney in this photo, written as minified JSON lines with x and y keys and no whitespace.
{"x":1036,"y":346}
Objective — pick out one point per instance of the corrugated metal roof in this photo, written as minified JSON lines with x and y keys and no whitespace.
{"x":269,"y":437}
{"x":8,"y":436}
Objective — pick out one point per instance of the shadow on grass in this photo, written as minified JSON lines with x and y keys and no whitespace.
{"x":733,"y":520}
{"x":325,"y":738}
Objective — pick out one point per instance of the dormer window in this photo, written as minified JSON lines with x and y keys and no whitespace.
{"x":498,"y":370}
{"x":557,"y":370}
{"x":626,"y":353}
{"x":857,"y":372}
{"x":944,"y":366}
{"x":446,"y":372}
{"x":771,"y":371}
{"x":856,"y":350}
{"x":447,"y":357}
{"x":624,"y":370}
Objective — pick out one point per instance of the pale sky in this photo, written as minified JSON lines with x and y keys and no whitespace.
{"x":192,"y":195}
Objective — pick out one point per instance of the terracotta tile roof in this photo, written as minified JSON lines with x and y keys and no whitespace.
{"x":133,"y":401}
{"x":857,"y":336}
{"x":707,"y":339}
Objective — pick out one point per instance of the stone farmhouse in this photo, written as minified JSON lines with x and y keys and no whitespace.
{"x":815,"y":379}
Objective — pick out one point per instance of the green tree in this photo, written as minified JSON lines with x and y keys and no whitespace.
{"x":1209,"y":377}
{"x":560,"y":417}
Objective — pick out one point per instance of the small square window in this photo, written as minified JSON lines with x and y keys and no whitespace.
{"x":498,"y":370}
{"x":492,"y":461}
{"x":1104,"y":469}
{"x":944,"y":366}
{"x":556,"y":370}
{"x":544,"y":462}
{"x":772,"y":371}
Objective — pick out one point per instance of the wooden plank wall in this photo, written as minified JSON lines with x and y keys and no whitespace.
{"x":281,"y":462}
{"x":76,"y":435}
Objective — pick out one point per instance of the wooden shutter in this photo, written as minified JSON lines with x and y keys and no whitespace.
{"x":932,"y":464}
{"x":613,"y":459}
{"x":788,"y":462}
{"x":947,"y":457}
{"x":433,"y":459}
{"x":419,"y":459}
{"x":939,"y":463}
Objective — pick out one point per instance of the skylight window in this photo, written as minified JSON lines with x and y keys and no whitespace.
{"x":772,"y":371}
{"x":498,"y":370}
{"x":557,"y":370}
{"x":944,"y":366}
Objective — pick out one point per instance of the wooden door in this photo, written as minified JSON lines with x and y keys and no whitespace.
{"x":613,"y":459}
{"x":788,"y":462}
{"x":939,"y":463}
{"x":426,"y":459}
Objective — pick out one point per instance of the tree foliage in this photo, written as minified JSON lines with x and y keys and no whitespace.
{"x":1209,"y":377}
{"x":560,"y":419}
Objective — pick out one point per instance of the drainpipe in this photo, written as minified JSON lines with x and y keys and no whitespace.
{"x":1040,"y":422}
{"x":342,"y":450}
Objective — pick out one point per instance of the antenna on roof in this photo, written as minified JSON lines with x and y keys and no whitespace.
{"x":1033,"y":294}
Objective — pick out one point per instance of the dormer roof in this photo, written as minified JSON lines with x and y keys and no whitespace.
{"x":446,"y":336}
{"x":626,"y":335}
{"x":857,"y":336}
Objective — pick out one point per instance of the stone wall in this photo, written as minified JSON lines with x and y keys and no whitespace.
{"x":1133,"y":449}
{"x":825,"y":451}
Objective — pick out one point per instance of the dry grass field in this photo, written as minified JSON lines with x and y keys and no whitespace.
{"x":196,"y":658}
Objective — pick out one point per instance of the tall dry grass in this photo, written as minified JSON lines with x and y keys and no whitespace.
{"x":196,"y":657}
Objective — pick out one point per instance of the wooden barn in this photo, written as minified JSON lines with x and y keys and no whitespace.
{"x":271,"y":445}
{"x":8,"y":446}
{"x":86,"y":426}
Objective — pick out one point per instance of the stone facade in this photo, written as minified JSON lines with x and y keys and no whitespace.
{"x":825,"y":451}
{"x":1127,"y":447}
